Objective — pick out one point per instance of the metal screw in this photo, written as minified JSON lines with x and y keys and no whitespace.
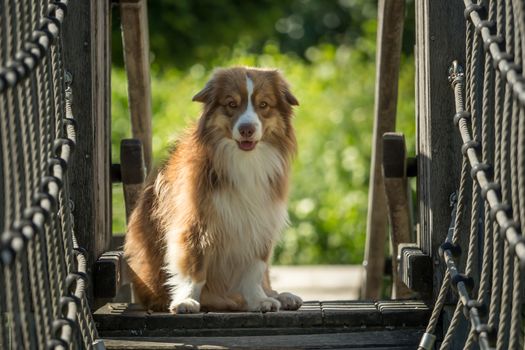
{"x":68,"y":77}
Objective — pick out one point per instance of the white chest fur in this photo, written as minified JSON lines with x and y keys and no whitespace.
{"x":248,"y":217}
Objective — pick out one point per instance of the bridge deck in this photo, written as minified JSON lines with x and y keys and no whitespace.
{"x":318,"y":324}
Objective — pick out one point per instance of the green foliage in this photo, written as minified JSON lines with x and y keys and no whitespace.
{"x":183,"y":32}
{"x":335,"y":87}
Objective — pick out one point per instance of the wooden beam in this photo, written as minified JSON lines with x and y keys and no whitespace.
{"x":415,"y":270}
{"x":377,"y":339}
{"x":135,"y":40}
{"x":389,"y":35}
{"x":87,"y":56}
{"x":108,"y":274}
{"x":440,"y":28}
{"x":123,"y":319}
{"x":133,"y":172}
{"x":396,"y":189}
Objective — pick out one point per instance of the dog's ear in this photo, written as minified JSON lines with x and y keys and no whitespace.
{"x":289,"y":97}
{"x":284,"y":89}
{"x":206,"y":94}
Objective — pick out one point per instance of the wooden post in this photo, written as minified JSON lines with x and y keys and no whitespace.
{"x":135,"y":39}
{"x":396,"y":189}
{"x":440,"y":28}
{"x":133,"y":172}
{"x":389,"y":34}
{"x":87,"y":56}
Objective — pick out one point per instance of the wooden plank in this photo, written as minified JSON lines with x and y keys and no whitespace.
{"x":351,"y":314}
{"x":440,"y":39}
{"x":87,"y":55}
{"x":378,"y":339}
{"x":133,"y":172}
{"x":396,"y":189}
{"x":122,"y":319}
{"x":135,"y":40}
{"x":416,"y":270}
{"x":109,"y":274}
{"x":389,"y":33}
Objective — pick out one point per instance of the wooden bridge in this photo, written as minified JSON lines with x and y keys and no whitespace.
{"x":458,"y":260}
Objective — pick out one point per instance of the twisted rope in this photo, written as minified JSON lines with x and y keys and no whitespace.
{"x":502,"y":226}
{"x":42,"y":267}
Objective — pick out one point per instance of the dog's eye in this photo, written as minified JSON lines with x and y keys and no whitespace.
{"x":263,"y":104}
{"x":232,"y":104}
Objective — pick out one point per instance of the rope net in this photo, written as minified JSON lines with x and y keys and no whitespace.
{"x":489,"y":91}
{"x":43,"y":300}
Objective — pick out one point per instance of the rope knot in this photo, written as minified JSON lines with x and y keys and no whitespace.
{"x":467,"y":281}
{"x":454,"y":249}
{"x":474,"y":8}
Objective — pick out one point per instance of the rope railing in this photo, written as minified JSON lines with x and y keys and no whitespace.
{"x":43,"y":301}
{"x":490,"y":117}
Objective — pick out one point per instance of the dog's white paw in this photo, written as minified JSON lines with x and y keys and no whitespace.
{"x":186,"y":306}
{"x":265,"y":305}
{"x":289,"y":301}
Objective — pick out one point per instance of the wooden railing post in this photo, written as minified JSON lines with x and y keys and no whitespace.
{"x":135,"y":39}
{"x":87,"y":57}
{"x":396,"y":189}
{"x":440,"y":28}
{"x":389,"y":35}
{"x":133,"y":172}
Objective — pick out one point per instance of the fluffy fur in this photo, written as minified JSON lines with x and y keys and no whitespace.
{"x":204,"y":228}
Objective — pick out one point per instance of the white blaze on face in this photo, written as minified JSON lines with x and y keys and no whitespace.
{"x":249,"y":116}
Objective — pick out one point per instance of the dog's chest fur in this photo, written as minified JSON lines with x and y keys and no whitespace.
{"x":247,"y":216}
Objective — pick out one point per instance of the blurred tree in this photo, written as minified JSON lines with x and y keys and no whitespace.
{"x":185,"y":32}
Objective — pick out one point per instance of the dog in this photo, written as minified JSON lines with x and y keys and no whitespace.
{"x":202,"y":234}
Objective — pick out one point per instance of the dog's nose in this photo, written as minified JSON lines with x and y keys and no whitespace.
{"x":246,"y":130}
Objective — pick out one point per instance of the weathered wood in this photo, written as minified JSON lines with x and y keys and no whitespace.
{"x":411,"y":166}
{"x":121,"y":319}
{"x":415,"y":269}
{"x":87,"y":56}
{"x":440,"y":28}
{"x":117,"y":241}
{"x":375,"y":340}
{"x":108,"y":274}
{"x":135,"y":40}
{"x":133,"y":172}
{"x":389,"y":34}
{"x":396,"y":190}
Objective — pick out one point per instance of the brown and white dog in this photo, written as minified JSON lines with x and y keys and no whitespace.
{"x":202,"y":234}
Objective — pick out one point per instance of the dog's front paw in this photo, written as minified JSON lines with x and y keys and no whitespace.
{"x":186,"y":306}
{"x":289,"y":301}
{"x":264,"y":305}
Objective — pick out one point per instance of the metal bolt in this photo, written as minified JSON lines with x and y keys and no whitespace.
{"x":455,"y":72}
{"x":68,"y":77}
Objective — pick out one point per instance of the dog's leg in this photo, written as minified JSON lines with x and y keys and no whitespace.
{"x":186,"y":278}
{"x":252,"y":290}
{"x":184,"y":294}
{"x":288,"y":301}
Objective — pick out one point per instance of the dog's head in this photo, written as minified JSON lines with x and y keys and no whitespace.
{"x":248,"y":106}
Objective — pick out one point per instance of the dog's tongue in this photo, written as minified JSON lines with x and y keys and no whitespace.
{"x":247,"y":145}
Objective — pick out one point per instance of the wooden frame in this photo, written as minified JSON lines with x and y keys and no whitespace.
{"x":87,"y":55}
{"x":390,"y":29}
{"x":439,"y":40}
